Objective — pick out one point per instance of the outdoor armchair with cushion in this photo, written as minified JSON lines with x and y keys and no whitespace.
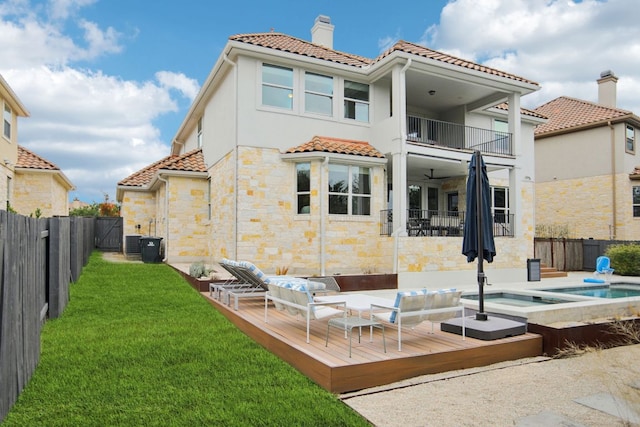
{"x":297,"y":299}
{"x":414,"y":307}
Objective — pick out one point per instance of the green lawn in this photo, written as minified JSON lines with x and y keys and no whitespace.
{"x":138,"y":346}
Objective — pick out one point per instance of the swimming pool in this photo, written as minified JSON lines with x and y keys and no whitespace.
{"x":614,"y":290}
{"x":517,"y":300}
{"x":550,"y":306}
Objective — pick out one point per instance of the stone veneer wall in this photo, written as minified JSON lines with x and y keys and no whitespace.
{"x":137,"y":207}
{"x":586,"y":206}
{"x":39,"y":191}
{"x":221,"y":242}
{"x":187,"y":219}
{"x":271,"y":235}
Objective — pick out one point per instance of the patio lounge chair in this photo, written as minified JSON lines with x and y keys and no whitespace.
{"x":297,"y":299}
{"x":252,"y":282}
{"x":414,"y":307}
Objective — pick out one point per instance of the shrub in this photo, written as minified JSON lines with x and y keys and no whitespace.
{"x":625,"y":259}
{"x":197,"y":270}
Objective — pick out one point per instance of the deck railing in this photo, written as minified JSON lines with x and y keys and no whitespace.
{"x":442,"y":223}
{"x":453,"y":135}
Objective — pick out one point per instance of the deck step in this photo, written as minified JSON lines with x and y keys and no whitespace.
{"x":548,"y":272}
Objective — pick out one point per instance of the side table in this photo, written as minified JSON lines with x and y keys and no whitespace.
{"x":348,"y":323}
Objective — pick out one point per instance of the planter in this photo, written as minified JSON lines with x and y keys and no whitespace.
{"x":366,"y":282}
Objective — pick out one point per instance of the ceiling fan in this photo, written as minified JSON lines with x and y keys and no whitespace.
{"x":430,"y":176}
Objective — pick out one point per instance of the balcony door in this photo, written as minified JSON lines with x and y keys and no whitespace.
{"x":420,"y":196}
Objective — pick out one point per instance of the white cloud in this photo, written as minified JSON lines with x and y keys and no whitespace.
{"x":96,"y":127}
{"x":563,"y":45}
{"x":187,"y":87}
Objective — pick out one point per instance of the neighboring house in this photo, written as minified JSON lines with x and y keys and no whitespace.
{"x":12,"y":108}
{"x":587,"y":180}
{"x":40,"y":186}
{"x":295,"y":154}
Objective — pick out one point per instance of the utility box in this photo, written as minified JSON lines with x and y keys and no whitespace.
{"x":533,"y":270}
{"x":150,"y":248}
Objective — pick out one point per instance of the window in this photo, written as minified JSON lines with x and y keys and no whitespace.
{"x":636,"y":202}
{"x":500,"y":204}
{"x":501,"y":129}
{"x":303,"y":187}
{"x":356,"y":101}
{"x":200,"y":132}
{"x":318,"y":94}
{"x":349,"y":190}
{"x":452,"y":203}
{"x":7,"y":121}
{"x":631,"y":139}
{"x":277,"y":86}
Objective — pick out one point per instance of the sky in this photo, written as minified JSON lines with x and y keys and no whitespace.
{"x":107,"y":83}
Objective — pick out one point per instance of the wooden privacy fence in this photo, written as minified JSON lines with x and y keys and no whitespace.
{"x":572,"y":254}
{"x":39,"y":258}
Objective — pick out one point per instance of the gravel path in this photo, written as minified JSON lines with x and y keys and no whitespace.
{"x":528,"y":392}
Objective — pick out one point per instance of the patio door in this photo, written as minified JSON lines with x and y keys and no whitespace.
{"x":415,"y":200}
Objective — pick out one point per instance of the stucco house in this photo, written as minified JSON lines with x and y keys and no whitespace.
{"x":29,"y":184}
{"x":299,"y":155}
{"x":12,"y":108}
{"x":587,"y":167}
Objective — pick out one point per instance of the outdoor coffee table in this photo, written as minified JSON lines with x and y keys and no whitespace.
{"x":348,"y":323}
{"x":356,"y":302}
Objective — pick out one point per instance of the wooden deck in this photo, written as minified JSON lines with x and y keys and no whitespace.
{"x":330,"y":367}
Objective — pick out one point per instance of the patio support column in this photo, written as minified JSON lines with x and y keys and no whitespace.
{"x":521,"y":176}
{"x":399,"y":157}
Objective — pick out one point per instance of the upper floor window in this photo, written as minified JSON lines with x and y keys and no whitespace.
{"x":318,"y":94}
{"x":200,"y":132}
{"x":303,"y":187}
{"x":277,"y":86}
{"x":349,"y":190}
{"x":7,"y":121}
{"x":631,"y":139}
{"x":356,"y":101}
{"x":636,"y":202}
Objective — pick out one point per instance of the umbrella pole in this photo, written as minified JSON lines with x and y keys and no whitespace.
{"x":480,"y":315}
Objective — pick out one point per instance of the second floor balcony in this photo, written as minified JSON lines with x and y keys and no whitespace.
{"x":456,"y":136}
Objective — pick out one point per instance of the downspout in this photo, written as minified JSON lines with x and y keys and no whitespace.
{"x":323,"y":226}
{"x":612,"y":233}
{"x":234,"y":233}
{"x":166,"y":218}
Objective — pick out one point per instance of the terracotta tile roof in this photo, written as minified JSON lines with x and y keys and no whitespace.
{"x":525,"y":111}
{"x":297,"y":46}
{"x":415,"y":49}
{"x":193,"y":161}
{"x":635,"y":175}
{"x":566,"y":113}
{"x":30,"y":160}
{"x":326,"y":144}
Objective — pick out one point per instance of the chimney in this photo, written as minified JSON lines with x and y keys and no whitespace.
{"x":322,"y":32}
{"x":607,"y":89}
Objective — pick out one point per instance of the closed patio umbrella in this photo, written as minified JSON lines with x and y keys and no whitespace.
{"x":477,"y":241}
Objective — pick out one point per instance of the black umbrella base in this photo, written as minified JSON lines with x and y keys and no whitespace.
{"x":493,"y":328}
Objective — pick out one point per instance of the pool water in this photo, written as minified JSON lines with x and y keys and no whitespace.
{"x":615,"y":290}
{"x":517,"y":300}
